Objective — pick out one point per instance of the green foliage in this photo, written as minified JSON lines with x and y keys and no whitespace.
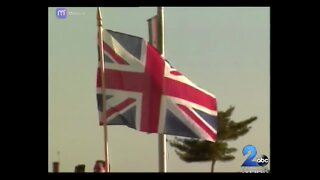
{"x":230,"y":130}
{"x":202,"y":150}
{"x":194,"y":150}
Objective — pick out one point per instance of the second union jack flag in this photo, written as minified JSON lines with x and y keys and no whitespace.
{"x":145,"y":93}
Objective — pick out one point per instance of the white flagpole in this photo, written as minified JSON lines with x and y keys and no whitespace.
{"x":161,"y":137}
{"x":103,"y":115}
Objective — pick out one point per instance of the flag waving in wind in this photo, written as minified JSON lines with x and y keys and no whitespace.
{"x":145,"y":93}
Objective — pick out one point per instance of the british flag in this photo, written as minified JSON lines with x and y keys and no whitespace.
{"x":144,"y":92}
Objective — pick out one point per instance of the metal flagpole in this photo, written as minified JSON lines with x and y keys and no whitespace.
{"x":103,"y":115}
{"x":161,"y":137}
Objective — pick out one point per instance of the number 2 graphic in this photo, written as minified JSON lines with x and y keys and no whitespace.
{"x":249,"y":161}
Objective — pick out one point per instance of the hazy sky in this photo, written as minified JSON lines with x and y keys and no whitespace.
{"x":225,"y":50}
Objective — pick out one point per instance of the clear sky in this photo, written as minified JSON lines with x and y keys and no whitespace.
{"x":225,"y":50}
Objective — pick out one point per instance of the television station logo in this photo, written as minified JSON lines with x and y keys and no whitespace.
{"x":252,"y":166}
{"x":63,"y":13}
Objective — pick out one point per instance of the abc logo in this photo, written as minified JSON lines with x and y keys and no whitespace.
{"x":251,"y":151}
{"x":263,"y":160}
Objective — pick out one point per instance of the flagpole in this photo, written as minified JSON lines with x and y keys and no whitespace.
{"x":103,"y":115}
{"x":161,"y":137}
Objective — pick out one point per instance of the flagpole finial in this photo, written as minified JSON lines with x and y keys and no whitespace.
{"x":160,"y":10}
{"x":99,"y":18}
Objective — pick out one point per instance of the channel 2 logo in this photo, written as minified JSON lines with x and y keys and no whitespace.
{"x":262,"y":160}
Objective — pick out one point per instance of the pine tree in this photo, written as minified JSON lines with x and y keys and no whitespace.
{"x":194,"y":150}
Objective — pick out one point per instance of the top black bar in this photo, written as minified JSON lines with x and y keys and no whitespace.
{"x":140,"y":3}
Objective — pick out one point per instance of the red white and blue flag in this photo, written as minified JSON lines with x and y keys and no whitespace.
{"x":144,"y":92}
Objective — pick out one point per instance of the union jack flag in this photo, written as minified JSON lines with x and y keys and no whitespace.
{"x":144,"y":92}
